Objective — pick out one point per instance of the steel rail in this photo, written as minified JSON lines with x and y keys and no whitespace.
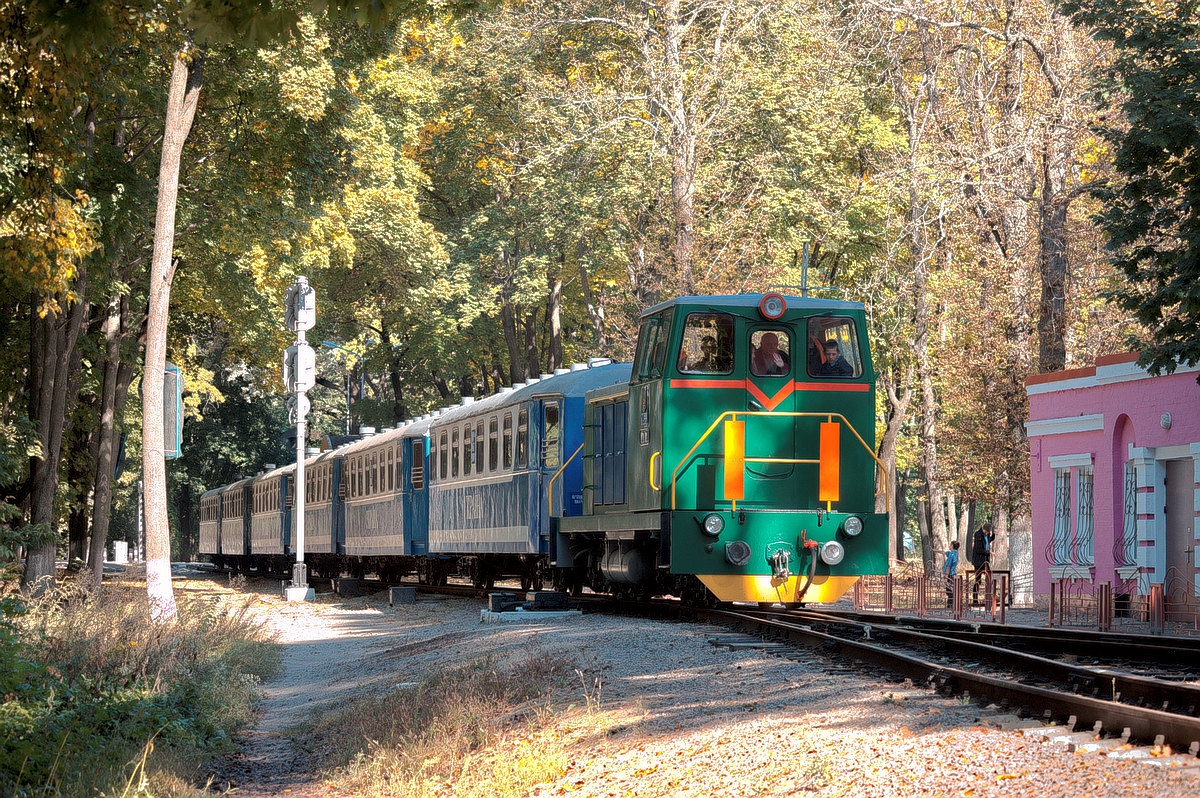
{"x":1143,"y":724}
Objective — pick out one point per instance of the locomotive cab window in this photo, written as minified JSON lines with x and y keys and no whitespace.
{"x":707,"y":344}
{"x":833,"y":350}
{"x":770,"y":353}
{"x":653,"y":341}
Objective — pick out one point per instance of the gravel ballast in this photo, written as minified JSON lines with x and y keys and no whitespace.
{"x":673,"y":712}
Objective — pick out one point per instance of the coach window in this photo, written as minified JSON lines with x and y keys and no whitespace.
{"x":443,"y":456}
{"x":550,"y":457}
{"x":493,"y":444}
{"x":833,"y":348}
{"x":707,"y":344}
{"x":454,"y":453}
{"x":391,"y":469}
{"x":418,"y":464}
{"x":507,"y":448}
{"x":523,"y":438}
{"x":469,"y":450}
{"x":479,"y":441}
{"x":466,"y":449}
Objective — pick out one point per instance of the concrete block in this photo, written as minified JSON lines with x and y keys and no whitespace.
{"x":402,"y":595}
{"x":297,"y":594}
{"x":345,"y":586}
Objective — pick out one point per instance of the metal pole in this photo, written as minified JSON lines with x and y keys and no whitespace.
{"x":300,"y":577}
{"x":347,"y":404}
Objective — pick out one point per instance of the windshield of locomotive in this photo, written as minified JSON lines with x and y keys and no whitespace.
{"x":833,"y":348}
{"x":707,"y":344}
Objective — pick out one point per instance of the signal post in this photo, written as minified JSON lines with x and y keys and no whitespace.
{"x":299,"y":375}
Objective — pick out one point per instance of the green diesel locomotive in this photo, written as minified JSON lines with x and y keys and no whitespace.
{"x":737,"y":464}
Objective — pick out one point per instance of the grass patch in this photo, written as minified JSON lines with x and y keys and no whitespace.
{"x":96,"y":699}
{"x":476,"y":730}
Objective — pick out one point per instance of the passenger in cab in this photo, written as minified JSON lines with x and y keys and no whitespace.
{"x":768,"y":359}
{"x":835,"y":365}
{"x":708,"y":356}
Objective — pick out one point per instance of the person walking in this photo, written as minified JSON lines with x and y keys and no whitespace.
{"x":981,"y":556}
{"x":950,"y":571}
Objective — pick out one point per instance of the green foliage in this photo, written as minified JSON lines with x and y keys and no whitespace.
{"x":1149,"y":212}
{"x":85,"y":686}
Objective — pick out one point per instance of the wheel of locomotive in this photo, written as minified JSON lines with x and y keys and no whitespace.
{"x":567,"y":580}
{"x":693,"y":593}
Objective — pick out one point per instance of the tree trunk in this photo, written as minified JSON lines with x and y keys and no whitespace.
{"x":595,"y":309}
{"x":896,"y":412}
{"x":184,"y":95}
{"x":554,"y":323}
{"x":53,"y":339}
{"x":516,"y":364}
{"x":682,"y":146}
{"x":117,"y":376}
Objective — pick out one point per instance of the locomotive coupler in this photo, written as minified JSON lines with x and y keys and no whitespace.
{"x":779,"y":564}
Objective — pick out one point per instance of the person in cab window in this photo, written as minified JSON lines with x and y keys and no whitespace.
{"x":708,"y":356}
{"x":767,"y":359}
{"x":835,"y":365}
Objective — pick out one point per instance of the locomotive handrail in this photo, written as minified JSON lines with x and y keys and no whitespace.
{"x":557,"y":474}
{"x":732,"y":416}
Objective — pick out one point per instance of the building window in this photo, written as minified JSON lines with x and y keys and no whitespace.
{"x":1060,"y":553}
{"x":1084,"y":548}
{"x":1125,"y":547}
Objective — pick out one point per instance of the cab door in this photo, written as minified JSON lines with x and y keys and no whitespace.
{"x":771,"y":374}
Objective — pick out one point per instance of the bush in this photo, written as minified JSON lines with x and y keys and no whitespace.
{"x":90,"y":688}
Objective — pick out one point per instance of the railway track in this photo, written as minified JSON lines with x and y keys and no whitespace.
{"x":1113,"y":703}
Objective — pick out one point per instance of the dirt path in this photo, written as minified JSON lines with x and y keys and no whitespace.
{"x":329,"y":653}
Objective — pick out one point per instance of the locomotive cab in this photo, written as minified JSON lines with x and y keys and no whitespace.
{"x":748,"y":453}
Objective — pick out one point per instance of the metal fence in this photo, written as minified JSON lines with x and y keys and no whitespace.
{"x":1172,"y":607}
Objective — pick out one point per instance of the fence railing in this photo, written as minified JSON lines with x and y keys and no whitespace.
{"x":1172,"y":607}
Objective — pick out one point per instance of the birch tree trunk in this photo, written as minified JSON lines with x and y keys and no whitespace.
{"x":186,"y":81}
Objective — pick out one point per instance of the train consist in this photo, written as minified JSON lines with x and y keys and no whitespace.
{"x":733,"y":460}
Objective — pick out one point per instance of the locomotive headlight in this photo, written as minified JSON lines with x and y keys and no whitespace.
{"x":772,"y":306}
{"x":853,"y":526}
{"x":832,"y":552}
{"x":713,"y":524}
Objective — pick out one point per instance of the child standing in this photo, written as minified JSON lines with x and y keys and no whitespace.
{"x":950,"y":570}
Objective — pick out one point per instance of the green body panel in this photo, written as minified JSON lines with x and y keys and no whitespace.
{"x":644,"y":441}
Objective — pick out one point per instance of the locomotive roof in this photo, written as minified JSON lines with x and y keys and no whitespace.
{"x":752,"y":301}
{"x":576,"y":382}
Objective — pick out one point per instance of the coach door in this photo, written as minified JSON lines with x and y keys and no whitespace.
{"x":551,"y":457}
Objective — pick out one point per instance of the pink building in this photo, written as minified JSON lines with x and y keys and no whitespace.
{"x":1115,"y":477}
